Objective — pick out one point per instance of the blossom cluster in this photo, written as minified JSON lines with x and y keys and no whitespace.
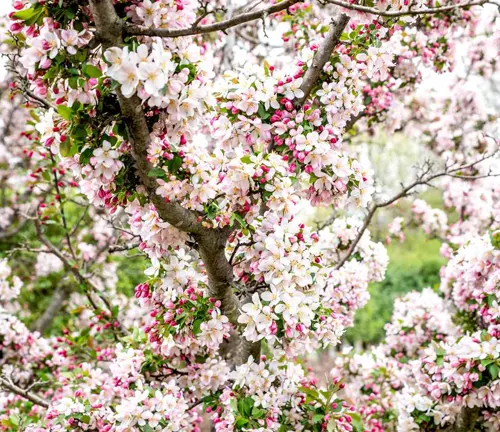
{"x":430,"y":372}
{"x":297,"y":305}
{"x":471,"y":280}
{"x":10,"y":286}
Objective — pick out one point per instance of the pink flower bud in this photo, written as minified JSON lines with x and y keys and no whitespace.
{"x":16,"y":27}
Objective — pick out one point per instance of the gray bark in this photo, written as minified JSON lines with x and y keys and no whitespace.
{"x":56,"y":302}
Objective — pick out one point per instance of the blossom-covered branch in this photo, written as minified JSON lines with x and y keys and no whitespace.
{"x":321,"y":56}
{"x":239,"y":19}
{"x":408,"y":12}
{"x":211,"y":242}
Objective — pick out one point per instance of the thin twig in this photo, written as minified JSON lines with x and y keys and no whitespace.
{"x":73,"y":268}
{"x":9,"y":385}
{"x":122,"y":248}
{"x":390,"y":14}
{"x":423,"y":179}
{"x":61,"y":205}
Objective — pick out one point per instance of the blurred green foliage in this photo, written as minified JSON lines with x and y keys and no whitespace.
{"x":413,"y":265}
{"x":37,"y":291}
{"x":130,"y":272}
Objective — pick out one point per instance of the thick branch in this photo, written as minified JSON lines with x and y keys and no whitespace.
{"x":211,"y":242}
{"x":108,"y":27}
{"x":212,"y":246}
{"x":392,"y":14}
{"x":322,"y":56}
{"x":464,"y":422}
{"x":209,"y":28}
{"x":60,"y":295}
{"x":10,"y":386}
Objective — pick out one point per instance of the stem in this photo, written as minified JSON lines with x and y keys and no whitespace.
{"x":9,"y":385}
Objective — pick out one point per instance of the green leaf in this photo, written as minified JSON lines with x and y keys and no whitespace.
{"x":174,"y":164}
{"x":14,"y":419}
{"x":318,"y":418}
{"x":86,"y":155}
{"x":73,"y":83}
{"x":35,"y":16}
{"x":66,"y":148}
{"x":240,"y":422}
{"x":237,"y":217}
{"x":65,"y":112}
{"x":495,"y":239}
{"x":258,"y":412}
{"x":313,"y":393}
{"x":196,"y":326}
{"x":234,"y":405}
{"x":486,"y":362}
{"x":85,"y":419}
{"x":356,"y":423}
{"x":79,"y":132}
{"x":91,"y":71}
{"x":493,"y":369}
{"x":245,"y":406}
{"x":25,"y":14}
{"x":246,"y":159}
{"x":157,"y":172}
{"x":263,"y":114}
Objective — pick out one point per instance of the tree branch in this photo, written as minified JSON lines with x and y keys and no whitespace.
{"x":108,"y":26}
{"x":28,"y":94}
{"x":123,"y":247}
{"x":58,"y":199}
{"x":73,"y":268}
{"x":10,"y":386}
{"x":209,"y":28}
{"x":59,"y":296}
{"x":390,"y":14}
{"x":423,"y":179}
{"x":464,"y":422}
{"x":322,"y":56}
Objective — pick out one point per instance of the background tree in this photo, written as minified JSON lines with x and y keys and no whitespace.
{"x":141,"y":130}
